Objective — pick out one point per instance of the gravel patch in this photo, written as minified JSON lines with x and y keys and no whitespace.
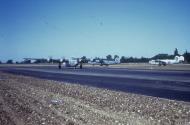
{"x":33,"y":101}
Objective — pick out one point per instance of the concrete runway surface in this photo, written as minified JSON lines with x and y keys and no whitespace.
{"x":168,"y":84}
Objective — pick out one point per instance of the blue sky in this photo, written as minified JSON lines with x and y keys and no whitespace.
{"x":73,"y":28}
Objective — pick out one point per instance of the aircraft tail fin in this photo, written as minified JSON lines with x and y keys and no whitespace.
{"x":176,"y":58}
{"x":117,"y":60}
{"x":179,"y":58}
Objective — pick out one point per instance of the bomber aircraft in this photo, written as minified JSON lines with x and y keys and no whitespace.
{"x":73,"y":62}
{"x":164,"y":62}
{"x":105,"y":62}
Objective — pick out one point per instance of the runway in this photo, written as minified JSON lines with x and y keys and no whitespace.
{"x":168,"y":84}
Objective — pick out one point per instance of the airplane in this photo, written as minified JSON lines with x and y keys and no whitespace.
{"x":35,"y":60}
{"x":105,"y":62}
{"x":95,"y":62}
{"x":164,"y":62}
{"x":73,"y":62}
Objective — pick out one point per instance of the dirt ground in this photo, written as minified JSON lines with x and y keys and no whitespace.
{"x":31,"y":101}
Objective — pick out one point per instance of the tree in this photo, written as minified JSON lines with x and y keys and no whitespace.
{"x":84,"y":59}
{"x":122,"y":59}
{"x":10,"y":61}
{"x":133,"y":60}
{"x":0,"y":62}
{"x":176,"y":52}
{"x":187,"y":57}
{"x":143,"y":59}
{"x":116,"y":56}
{"x":50,"y":60}
{"x":109,"y":57}
{"x":163,"y":56}
{"x":41,"y":61}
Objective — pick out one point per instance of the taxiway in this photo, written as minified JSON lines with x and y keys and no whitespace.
{"x":168,"y":84}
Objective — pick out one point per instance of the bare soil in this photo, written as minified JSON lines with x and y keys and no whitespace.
{"x":31,"y":101}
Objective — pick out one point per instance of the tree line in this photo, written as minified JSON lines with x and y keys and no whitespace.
{"x":158,"y":56}
{"x":123,"y":59}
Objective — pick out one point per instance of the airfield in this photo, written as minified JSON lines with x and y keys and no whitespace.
{"x":139,"y":94}
{"x":171,"y":82}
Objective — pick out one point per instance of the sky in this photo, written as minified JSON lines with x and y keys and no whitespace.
{"x":93,"y":28}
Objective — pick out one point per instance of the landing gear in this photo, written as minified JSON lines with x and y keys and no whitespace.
{"x":162,"y":63}
{"x":59,"y":66}
{"x":81,"y":66}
